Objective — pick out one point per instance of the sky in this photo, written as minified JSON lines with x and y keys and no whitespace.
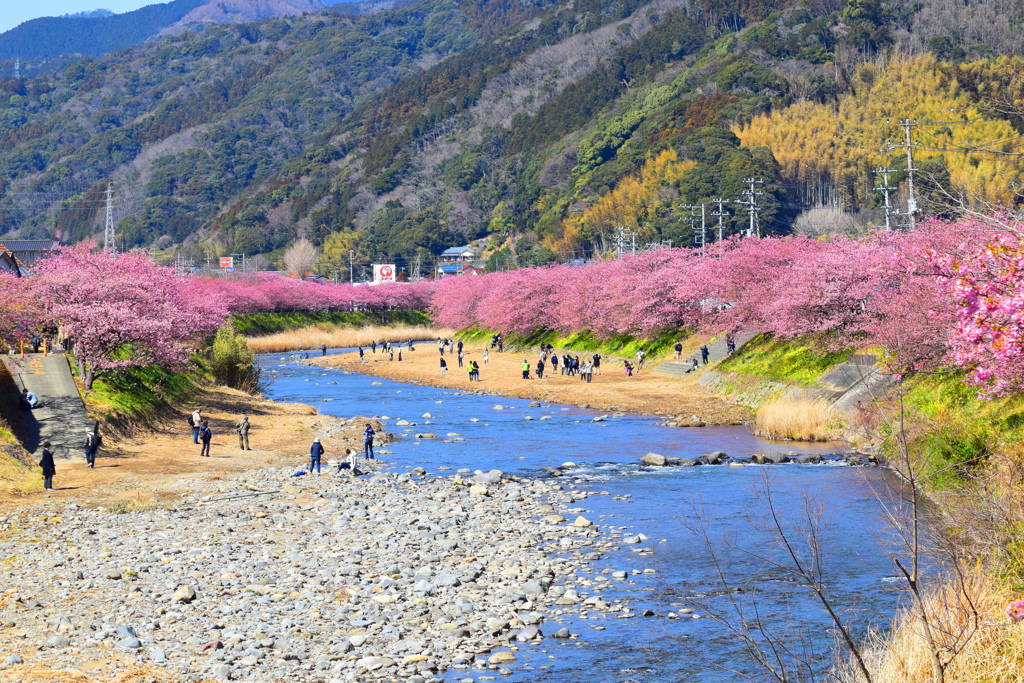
{"x":14,"y":12}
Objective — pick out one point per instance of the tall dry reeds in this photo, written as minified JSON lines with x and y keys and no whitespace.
{"x":800,"y":419}
{"x":977,"y":641}
{"x":315,"y":337}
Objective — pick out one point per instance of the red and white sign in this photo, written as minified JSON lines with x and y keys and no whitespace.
{"x":383,"y":272}
{"x":227,"y":262}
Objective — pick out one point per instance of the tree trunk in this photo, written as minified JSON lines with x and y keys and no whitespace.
{"x":88,"y":378}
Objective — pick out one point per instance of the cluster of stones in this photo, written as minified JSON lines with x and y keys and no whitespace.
{"x":266,"y":576}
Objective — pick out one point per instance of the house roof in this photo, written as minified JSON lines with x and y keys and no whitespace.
{"x":450,"y":268}
{"x":28,"y":245}
{"x":458,"y":251}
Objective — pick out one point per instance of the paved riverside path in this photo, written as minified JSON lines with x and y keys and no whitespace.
{"x":61,"y":419}
{"x":717,"y":351}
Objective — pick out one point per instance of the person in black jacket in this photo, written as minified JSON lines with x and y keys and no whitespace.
{"x":205,"y":435}
{"x":49,"y":469}
{"x":316,"y":452}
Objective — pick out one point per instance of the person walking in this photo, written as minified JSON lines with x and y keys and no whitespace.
{"x":476,"y":370}
{"x":92,"y":444}
{"x":368,"y":435}
{"x":704,"y":353}
{"x":596,"y":365}
{"x":540,"y":369}
{"x":205,"y":435}
{"x":373,"y":346}
{"x":487,"y":356}
{"x":243,"y":433}
{"x":639,"y":360}
{"x":197,"y":422}
{"x":444,"y":368}
{"x":554,"y":364}
{"x":526,"y":369}
{"x":730,"y":343}
{"x":399,"y":355}
{"x":460,"y":354}
{"x":323,"y":349}
{"x":360,"y":354}
{"x":679,"y":351}
{"x":440,"y":347}
{"x":628,"y":367}
{"x":460,"y":347}
{"x":316,"y":452}
{"x":49,"y":468}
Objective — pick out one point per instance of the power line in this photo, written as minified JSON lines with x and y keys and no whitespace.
{"x":720,"y":214}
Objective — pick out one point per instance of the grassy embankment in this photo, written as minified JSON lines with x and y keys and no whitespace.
{"x":623,"y":346}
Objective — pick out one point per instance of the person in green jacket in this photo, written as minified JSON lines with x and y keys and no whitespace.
{"x":243,"y":433}
{"x":526,"y":369}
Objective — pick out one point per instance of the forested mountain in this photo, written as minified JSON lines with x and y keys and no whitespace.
{"x":542,"y":125}
{"x":101,"y":31}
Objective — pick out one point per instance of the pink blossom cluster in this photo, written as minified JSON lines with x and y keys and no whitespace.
{"x":20,"y":312}
{"x":882,"y":290}
{"x":260,"y":293}
{"x":123,"y":310}
{"x":988,"y":286}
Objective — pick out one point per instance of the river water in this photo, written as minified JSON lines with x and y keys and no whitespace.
{"x":662,"y":504}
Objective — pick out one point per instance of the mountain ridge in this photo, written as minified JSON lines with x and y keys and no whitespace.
{"x":538,"y":128}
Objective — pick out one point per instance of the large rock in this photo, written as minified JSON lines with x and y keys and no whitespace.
{"x":582,"y":521}
{"x":530,"y":632}
{"x":488,"y":478}
{"x":501,"y":657}
{"x":809,"y":459}
{"x":654,"y":459}
{"x":775,"y":458}
{"x":477,"y":490}
{"x":184,"y":594}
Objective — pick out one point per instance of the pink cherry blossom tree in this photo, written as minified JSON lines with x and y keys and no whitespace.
{"x":124,"y":311}
{"x":20,"y":312}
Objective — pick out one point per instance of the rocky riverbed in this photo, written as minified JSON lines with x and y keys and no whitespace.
{"x":264,"y":576}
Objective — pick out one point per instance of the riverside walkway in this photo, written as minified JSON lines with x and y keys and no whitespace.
{"x":60,"y":418}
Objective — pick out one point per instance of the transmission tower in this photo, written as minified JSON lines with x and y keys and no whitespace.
{"x":885,"y":189}
{"x":416,"y":267}
{"x":17,"y":68}
{"x":109,"y":239}
{"x":720,"y":213}
{"x":751,"y":203}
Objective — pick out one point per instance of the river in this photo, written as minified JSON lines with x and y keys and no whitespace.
{"x":657,"y":502}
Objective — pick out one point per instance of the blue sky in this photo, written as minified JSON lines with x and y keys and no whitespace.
{"x":15,"y":12}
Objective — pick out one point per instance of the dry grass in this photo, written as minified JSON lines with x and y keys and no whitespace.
{"x":798,"y":419}
{"x":989,"y":648}
{"x":334,"y":338}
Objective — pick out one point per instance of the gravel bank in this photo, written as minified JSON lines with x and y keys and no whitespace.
{"x":329,"y":578}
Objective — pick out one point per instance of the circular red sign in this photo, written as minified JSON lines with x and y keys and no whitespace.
{"x":385,"y":271}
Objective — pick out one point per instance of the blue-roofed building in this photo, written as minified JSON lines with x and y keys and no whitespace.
{"x":458,"y":255}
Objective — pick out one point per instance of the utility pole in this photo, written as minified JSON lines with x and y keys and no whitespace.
{"x":700,"y":237}
{"x":751,"y":203}
{"x":720,"y":213}
{"x":351,"y":268}
{"x":17,"y":68}
{"x":623,"y":235}
{"x":908,"y":125}
{"x":885,"y":189}
{"x":416,"y":267}
{"x":109,"y":240}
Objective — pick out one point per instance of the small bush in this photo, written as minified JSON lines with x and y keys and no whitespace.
{"x":232,"y":363}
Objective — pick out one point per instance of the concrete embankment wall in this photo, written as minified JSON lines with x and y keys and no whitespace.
{"x":847,"y":387}
{"x":12,"y":418}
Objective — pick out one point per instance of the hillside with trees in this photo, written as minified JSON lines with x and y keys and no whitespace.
{"x":540,"y":128}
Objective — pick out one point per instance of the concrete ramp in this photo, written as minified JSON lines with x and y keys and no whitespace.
{"x":717,"y":351}
{"x":61,"y":419}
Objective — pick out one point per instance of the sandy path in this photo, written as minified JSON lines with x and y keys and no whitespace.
{"x":646,"y":393}
{"x":160,"y":465}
